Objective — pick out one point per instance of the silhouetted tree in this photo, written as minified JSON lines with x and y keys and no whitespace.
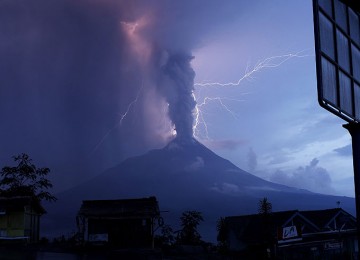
{"x":266,"y":234}
{"x":265,"y":207}
{"x":222,"y":234}
{"x":189,"y":222}
{"x":167,"y":237}
{"x":25,"y":179}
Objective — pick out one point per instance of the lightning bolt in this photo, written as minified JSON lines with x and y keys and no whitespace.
{"x":199,"y":119}
{"x":132,"y":103}
{"x":270,"y":62}
{"x":122,"y":118}
{"x":199,"y":113}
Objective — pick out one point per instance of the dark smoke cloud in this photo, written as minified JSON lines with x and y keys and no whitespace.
{"x":177,"y":84}
{"x":70,"y":69}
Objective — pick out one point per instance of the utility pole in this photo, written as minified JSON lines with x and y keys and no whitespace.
{"x":354,"y":130}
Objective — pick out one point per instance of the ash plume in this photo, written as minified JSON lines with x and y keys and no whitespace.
{"x":177,"y":85}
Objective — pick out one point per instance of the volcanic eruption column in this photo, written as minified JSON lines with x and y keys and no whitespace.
{"x":176,"y":84}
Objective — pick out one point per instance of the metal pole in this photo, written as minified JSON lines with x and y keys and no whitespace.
{"x":354,"y":130}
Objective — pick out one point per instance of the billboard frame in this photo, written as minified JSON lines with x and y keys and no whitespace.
{"x":344,"y":99}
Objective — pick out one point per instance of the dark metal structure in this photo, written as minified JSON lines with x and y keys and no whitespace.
{"x":337,"y":46}
{"x":337,"y":43}
{"x":354,"y":4}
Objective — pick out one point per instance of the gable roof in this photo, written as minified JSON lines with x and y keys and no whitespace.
{"x":323,"y":218}
{"x":122,"y":208}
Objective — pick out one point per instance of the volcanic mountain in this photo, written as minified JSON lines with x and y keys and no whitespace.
{"x":185,"y":175}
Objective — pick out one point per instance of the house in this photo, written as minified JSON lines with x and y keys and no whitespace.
{"x":293,"y":234}
{"x":20,"y":219}
{"x":124,"y":223}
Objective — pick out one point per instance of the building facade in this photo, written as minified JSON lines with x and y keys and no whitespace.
{"x":124,"y":223}
{"x":20,"y":219}
{"x":293,"y":234}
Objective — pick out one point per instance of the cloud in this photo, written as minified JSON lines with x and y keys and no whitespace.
{"x":311,"y":177}
{"x":229,"y":144}
{"x":227,"y":188}
{"x":196,"y":165}
{"x":279,"y":158}
{"x":252,"y":160}
{"x":344,"y":151}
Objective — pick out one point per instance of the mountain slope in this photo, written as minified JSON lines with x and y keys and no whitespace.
{"x":185,"y":175}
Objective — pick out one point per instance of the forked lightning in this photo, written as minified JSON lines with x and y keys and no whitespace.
{"x":270,"y":62}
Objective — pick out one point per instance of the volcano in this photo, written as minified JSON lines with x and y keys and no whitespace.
{"x":185,"y":175}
